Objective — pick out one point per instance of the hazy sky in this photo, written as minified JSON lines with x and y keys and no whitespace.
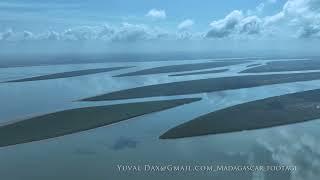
{"x":141,"y":21}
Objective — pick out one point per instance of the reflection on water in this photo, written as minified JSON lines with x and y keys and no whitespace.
{"x":94,"y":154}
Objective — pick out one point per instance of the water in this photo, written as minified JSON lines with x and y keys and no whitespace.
{"x":92,"y":154}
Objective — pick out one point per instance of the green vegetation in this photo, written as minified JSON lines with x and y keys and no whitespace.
{"x":205,"y":85}
{"x":269,"y":112}
{"x":76,"y":120}
{"x":182,"y":67}
{"x":69,"y":74}
{"x":279,"y":66}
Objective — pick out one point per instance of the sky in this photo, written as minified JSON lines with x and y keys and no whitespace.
{"x":38,"y":15}
{"x":206,"y":24}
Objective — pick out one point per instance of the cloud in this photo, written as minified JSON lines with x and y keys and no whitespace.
{"x":106,"y":32}
{"x":7,"y":35}
{"x":300,"y":18}
{"x":235,"y":23}
{"x":184,"y":35}
{"x":131,"y":33}
{"x":80,"y":33}
{"x":11,"y":35}
{"x":157,"y":14}
{"x":186,"y":24}
{"x":268,"y":20}
{"x":303,"y":15}
{"x":295,"y":148}
{"x":296,"y":19}
{"x":250,"y":25}
{"x":308,"y":31}
{"x":126,"y":32}
{"x":51,"y":36}
{"x":27,"y":35}
{"x":123,"y":143}
{"x":224,"y":27}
